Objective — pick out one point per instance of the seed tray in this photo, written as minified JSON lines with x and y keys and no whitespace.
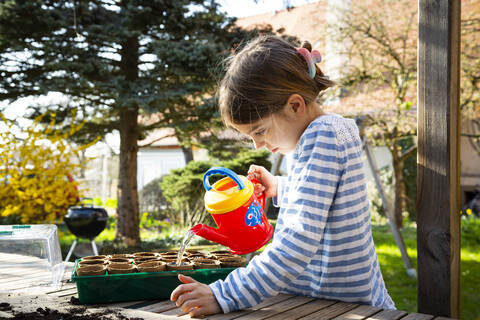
{"x":137,"y":286}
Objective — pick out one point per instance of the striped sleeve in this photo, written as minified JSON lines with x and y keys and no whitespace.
{"x":305,"y":201}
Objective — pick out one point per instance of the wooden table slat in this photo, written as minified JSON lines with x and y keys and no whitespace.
{"x":128,"y":304}
{"x":44,"y":279}
{"x":65,"y":288}
{"x":359,"y":313}
{"x":389,"y":315}
{"x":160,"y":307}
{"x":277,"y":308}
{"x":331,"y":312}
{"x":418,"y":316}
{"x":266,"y":303}
{"x":136,"y":304}
{"x":303,"y":310}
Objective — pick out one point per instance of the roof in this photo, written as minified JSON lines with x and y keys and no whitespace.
{"x":160,"y":138}
{"x":165,"y":138}
{"x":302,"y":22}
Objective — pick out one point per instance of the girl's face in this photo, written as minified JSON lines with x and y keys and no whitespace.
{"x":274,"y":133}
{"x":279,"y":132}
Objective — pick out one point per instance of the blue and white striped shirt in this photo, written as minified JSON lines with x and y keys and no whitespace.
{"x":322,"y":245}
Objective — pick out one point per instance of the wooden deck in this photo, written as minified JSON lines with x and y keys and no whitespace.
{"x":31,"y":292}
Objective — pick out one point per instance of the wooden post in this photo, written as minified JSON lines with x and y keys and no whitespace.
{"x":438,"y":195}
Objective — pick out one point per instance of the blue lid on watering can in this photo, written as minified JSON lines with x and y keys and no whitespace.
{"x":228,"y":193}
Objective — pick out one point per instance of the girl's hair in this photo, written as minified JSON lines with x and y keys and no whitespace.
{"x":262,"y":76}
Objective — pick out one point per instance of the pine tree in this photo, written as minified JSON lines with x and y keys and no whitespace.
{"x":118,"y":62}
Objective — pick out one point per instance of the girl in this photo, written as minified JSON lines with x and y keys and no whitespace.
{"x":322,"y":245}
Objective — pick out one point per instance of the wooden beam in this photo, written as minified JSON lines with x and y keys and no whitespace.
{"x":438,"y":195}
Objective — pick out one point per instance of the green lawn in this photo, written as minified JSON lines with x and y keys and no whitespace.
{"x":403,"y":289}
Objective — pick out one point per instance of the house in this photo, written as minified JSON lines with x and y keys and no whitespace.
{"x":159,"y":153}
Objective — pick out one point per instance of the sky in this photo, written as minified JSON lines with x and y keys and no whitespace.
{"x":244,"y":8}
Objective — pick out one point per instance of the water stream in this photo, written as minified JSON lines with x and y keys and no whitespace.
{"x":186,"y":240}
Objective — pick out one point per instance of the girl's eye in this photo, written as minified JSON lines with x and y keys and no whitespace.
{"x":260,"y":132}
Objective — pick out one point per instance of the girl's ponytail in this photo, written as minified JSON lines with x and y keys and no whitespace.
{"x":307,"y":46}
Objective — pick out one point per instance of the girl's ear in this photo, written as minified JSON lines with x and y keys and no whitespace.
{"x":295,"y":104}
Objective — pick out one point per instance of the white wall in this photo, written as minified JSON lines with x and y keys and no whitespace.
{"x":153,"y":163}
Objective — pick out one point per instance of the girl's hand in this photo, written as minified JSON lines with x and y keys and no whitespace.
{"x":195,"y":298}
{"x":267,"y":180}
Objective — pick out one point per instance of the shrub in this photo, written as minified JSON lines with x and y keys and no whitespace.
{"x":152,"y":200}
{"x":243,"y":161}
{"x":183,"y":189}
{"x":410,"y":176}
{"x":35,"y":172}
{"x":376,"y":205}
{"x":470,"y":230}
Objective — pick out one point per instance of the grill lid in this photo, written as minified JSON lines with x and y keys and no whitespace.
{"x":86,"y":222}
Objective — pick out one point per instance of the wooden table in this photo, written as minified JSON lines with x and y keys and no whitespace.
{"x":22,"y":292}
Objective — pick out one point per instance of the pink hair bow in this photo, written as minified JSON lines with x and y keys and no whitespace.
{"x":311,"y":58}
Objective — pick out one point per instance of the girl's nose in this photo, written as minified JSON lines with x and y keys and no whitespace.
{"x":257,"y":144}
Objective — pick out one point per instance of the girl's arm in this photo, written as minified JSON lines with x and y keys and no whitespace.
{"x":307,"y":199}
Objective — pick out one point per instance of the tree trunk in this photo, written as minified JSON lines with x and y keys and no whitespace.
{"x":400,"y":187}
{"x":128,"y":211}
{"x":187,"y":154}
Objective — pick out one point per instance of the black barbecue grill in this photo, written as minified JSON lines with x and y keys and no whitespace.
{"x":85,"y":222}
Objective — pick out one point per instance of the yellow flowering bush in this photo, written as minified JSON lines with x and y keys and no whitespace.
{"x":36,"y":171}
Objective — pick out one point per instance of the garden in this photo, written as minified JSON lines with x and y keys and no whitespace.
{"x":78,"y":73}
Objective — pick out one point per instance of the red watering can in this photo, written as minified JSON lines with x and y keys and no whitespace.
{"x":238,"y":213}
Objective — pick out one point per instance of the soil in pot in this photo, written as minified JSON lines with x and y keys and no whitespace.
{"x":183,"y":266}
{"x":155,"y":266}
{"x":92,"y":262}
{"x":203,"y":263}
{"x":124,"y":260}
{"x":168,"y":260}
{"x":121,"y":255}
{"x":197,"y":256}
{"x":145,"y":259}
{"x":232,"y":262}
{"x":144,"y":254}
{"x":223,"y":254}
{"x":220,"y":252}
{"x":192,"y":251}
{"x":91,"y":270}
{"x":101,"y":257}
{"x":170,"y":253}
{"x":121,"y":268}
